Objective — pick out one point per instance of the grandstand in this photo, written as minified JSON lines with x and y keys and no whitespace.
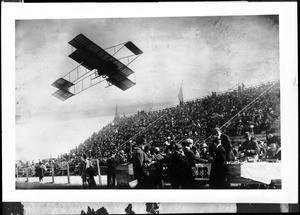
{"x":254,"y":108}
{"x":234,"y":110}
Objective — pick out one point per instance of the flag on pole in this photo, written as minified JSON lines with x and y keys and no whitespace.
{"x":180,"y":95}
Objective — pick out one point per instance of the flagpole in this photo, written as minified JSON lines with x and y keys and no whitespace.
{"x":180,"y":95}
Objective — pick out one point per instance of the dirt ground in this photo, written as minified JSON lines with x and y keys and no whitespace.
{"x":60,"y":182}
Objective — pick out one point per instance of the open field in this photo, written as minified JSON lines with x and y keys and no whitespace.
{"x":60,"y":182}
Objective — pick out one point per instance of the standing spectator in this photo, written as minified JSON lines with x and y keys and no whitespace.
{"x":157,"y":169}
{"x":191,"y":162}
{"x":43,"y":170}
{"x":218,"y":172}
{"x":226,"y":143}
{"x":90,"y":173}
{"x":140,"y":164}
{"x":250,"y":148}
{"x":111,"y":170}
{"x":195,"y":151}
{"x":40,"y":168}
{"x":147,"y":150}
{"x":121,"y":157}
{"x":82,"y":170}
{"x":204,"y":153}
{"x":178,"y":167}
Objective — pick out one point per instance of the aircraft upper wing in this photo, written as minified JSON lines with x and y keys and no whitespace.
{"x":94,"y":57}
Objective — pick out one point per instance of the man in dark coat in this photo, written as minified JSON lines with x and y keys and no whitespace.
{"x":191,"y":162}
{"x":111,"y":170}
{"x":250,"y":147}
{"x":82,"y":170}
{"x":218,"y":172}
{"x":157,"y":169}
{"x":140,"y":164}
{"x":178,"y":168}
{"x":226,"y":143}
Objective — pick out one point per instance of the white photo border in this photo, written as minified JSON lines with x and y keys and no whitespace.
{"x":289,"y":98}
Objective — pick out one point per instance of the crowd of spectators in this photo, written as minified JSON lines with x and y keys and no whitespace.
{"x":194,"y":119}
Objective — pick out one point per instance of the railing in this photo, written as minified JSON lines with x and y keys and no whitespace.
{"x":54,"y":172}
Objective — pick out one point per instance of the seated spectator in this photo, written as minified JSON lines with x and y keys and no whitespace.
{"x":278,"y":153}
{"x":262,"y":150}
{"x":271,"y":152}
{"x":272,"y":139}
{"x":250,"y":148}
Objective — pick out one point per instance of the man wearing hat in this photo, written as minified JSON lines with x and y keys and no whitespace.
{"x":157,"y":169}
{"x":140,"y":164}
{"x":250,"y":148}
{"x":112,"y":164}
{"x":204,"y":153}
{"x":178,"y":167}
{"x":191,"y":161}
{"x":226,"y":143}
{"x":218,"y":171}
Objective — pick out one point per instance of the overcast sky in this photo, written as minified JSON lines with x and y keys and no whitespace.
{"x":205,"y":53}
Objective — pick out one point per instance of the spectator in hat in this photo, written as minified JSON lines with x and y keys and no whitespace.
{"x":157,"y":168}
{"x":278,"y":153}
{"x":191,"y":162}
{"x":195,"y":151}
{"x":272,"y":151}
{"x":41,"y":170}
{"x":90,"y":172}
{"x":272,"y":139}
{"x":141,"y":164}
{"x":204,"y":153}
{"x":250,"y":148}
{"x":262,"y":150}
{"x":121,"y":157}
{"x":178,"y":167}
{"x":82,"y":170}
{"x":218,"y":171}
{"x":112,"y":164}
{"x":147,"y":150}
{"x":226,"y":143}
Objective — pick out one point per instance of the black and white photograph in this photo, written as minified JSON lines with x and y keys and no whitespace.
{"x":129,"y":104}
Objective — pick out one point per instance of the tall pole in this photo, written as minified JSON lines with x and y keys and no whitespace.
{"x":99,"y":173}
{"x":27,"y":174}
{"x":52,"y":170}
{"x":17,"y":173}
{"x":68,"y":172}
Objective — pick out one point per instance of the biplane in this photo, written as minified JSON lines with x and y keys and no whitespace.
{"x":99,"y":66}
